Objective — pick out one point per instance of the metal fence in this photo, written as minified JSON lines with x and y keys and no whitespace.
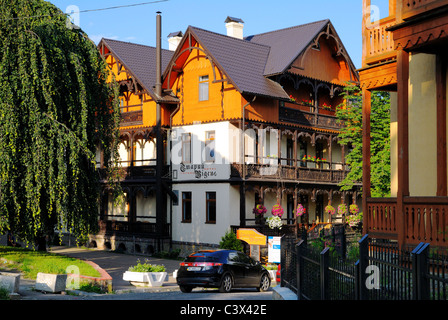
{"x":381,"y":272}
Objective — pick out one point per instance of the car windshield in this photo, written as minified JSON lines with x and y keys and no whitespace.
{"x":204,"y":257}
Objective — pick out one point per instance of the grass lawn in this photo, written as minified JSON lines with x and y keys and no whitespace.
{"x":32,"y":262}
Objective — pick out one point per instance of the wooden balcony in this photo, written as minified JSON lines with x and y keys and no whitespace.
{"x":138,"y":229}
{"x":424,"y":219}
{"x":378,"y":43}
{"x":136,"y":172}
{"x":413,"y":8}
{"x":322,"y":119}
{"x":289,"y":173}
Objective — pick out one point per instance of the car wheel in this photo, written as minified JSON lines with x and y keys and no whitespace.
{"x":185,"y":289}
{"x":226,"y":283}
{"x":265,"y":283}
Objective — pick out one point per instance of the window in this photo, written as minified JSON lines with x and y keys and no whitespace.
{"x":210,"y":146}
{"x":210,"y":207}
{"x":186,"y":206}
{"x":203,"y":88}
{"x":186,"y":147}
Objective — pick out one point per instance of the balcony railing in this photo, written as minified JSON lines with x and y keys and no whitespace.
{"x":378,"y":43}
{"x":136,"y":172}
{"x":292,"y":173}
{"x":412,"y":8}
{"x":424,"y":219}
{"x":309,"y":118}
{"x":134,"y":228}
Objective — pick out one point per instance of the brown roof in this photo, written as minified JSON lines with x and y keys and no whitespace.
{"x":287,"y":44}
{"x":242,"y":61}
{"x":140,"y":61}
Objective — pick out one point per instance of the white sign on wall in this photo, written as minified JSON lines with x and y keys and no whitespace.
{"x":274,"y":251}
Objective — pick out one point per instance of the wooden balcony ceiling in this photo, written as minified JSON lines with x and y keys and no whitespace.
{"x":382,"y":76}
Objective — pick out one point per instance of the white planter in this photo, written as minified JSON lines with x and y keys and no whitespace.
{"x":10,"y":281}
{"x":273,"y":274}
{"x":146,"y":279}
{"x":49,"y":282}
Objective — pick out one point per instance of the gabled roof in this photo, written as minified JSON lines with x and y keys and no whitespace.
{"x":287,"y":44}
{"x":139,"y":60}
{"x":243,"y":62}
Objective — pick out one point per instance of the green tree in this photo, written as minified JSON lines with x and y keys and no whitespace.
{"x":230,"y":241}
{"x":350,"y":114}
{"x":56,"y":108}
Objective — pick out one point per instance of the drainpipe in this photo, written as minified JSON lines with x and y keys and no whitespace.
{"x":243,"y":166}
{"x":159,"y":162}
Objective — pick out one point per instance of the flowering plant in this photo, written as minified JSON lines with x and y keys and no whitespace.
{"x":300,"y":210}
{"x":354,"y":220}
{"x":274,"y":222}
{"x":259,"y":210}
{"x":277,"y":210}
{"x":308,"y":103}
{"x":326,"y":106}
{"x":329,"y":209}
{"x":354,"y":209}
{"x":342,"y":209}
{"x":291,"y":98}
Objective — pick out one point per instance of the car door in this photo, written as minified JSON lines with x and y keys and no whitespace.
{"x":237,"y":268}
{"x":251,"y":272}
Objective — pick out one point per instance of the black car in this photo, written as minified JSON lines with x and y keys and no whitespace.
{"x":223,"y":269}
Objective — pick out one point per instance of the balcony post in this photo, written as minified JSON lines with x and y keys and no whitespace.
{"x":366,"y":108}
{"x":403,"y":140}
{"x":441,"y":126}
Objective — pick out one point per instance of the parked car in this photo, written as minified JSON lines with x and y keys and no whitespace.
{"x":223,"y":269}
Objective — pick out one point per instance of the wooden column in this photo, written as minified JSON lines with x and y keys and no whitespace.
{"x":403,"y":139}
{"x":441,"y":126}
{"x":366,"y":109}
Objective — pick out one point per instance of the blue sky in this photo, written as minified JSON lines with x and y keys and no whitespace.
{"x":137,"y":24}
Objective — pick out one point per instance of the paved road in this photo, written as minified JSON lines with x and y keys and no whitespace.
{"x":116,"y":264}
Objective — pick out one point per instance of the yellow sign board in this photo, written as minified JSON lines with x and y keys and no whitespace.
{"x":251,"y":236}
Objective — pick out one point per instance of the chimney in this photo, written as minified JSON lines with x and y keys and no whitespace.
{"x":174,"y":39}
{"x":234,"y":27}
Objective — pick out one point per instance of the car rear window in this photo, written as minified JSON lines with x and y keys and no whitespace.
{"x":204,"y":257}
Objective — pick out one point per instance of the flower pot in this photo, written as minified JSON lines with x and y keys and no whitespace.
{"x":146,"y":279}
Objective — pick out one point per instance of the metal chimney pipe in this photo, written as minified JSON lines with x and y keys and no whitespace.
{"x":159,"y":54}
{"x":160,"y":212}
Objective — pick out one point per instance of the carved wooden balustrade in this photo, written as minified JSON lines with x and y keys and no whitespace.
{"x":412,"y":8}
{"x":291,"y":173}
{"x":423,"y":219}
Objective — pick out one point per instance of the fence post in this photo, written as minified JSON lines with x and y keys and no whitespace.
{"x":324,"y":273}
{"x":414,"y":270}
{"x":282,"y":260}
{"x":422,"y":269}
{"x":299,"y":266}
{"x":362,"y":264}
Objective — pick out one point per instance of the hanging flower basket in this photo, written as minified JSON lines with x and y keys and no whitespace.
{"x":354,"y":209}
{"x":342,"y":209}
{"x":259,"y":210}
{"x":300,"y":211}
{"x":277,"y":210}
{"x":330,"y":210}
{"x":274,"y":222}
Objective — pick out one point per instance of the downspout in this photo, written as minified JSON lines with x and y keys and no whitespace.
{"x":243,"y":165}
{"x":171,"y":172}
{"x":159,"y":145}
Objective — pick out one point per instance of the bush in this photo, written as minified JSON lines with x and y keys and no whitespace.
{"x":229,"y":241}
{"x":147,"y":267}
{"x":4,"y":294}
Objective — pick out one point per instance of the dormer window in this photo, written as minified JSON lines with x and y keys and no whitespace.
{"x":203,"y":88}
